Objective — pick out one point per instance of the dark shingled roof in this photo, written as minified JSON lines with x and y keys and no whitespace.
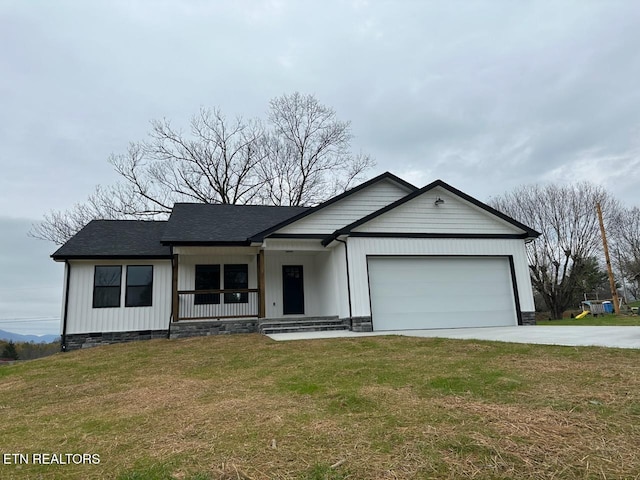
{"x":116,"y":238}
{"x":212,"y":224}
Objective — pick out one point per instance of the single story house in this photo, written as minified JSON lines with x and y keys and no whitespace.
{"x":384,"y":255}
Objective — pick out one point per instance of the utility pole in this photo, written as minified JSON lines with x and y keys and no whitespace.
{"x":612,"y":283}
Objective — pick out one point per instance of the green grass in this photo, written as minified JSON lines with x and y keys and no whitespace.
{"x":243,"y":406}
{"x":600,"y":320}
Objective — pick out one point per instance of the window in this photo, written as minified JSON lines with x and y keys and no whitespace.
{"x":139,"y":286}
{"x":207,"y":278}
{"x":236,"y":277}
{"x":106,"y":286}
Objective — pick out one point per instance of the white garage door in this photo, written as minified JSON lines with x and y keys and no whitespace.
{"x":440,"y":292}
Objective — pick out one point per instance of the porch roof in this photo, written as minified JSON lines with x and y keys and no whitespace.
{"x":212,"y":224}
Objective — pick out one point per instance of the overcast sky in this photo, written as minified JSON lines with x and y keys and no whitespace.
{"x":484,"y":95}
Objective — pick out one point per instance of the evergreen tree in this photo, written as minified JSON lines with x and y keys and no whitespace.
{"x":10,"y":351}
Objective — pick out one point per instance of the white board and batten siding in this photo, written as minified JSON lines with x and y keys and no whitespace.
{"x":83,"y":318}
{"x":338,"y":261}
{"x":454,"y":216}
{"x":348,"y":210}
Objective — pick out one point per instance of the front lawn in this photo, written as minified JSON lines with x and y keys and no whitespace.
{"x":246,"y":407}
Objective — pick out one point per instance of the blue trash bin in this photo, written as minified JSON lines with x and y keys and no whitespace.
{"x":608,"y":307}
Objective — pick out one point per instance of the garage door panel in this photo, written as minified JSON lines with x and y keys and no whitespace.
{"x":442,"y":320}
{"x":440,"y":292}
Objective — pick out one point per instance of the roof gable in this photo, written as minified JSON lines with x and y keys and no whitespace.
{"x":416,"y":213}
{"x":344,"y":208}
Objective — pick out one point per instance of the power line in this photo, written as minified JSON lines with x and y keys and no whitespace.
{"x":29,"y":320}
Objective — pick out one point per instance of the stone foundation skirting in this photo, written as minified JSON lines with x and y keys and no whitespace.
{"x":361,"y":324}
{"x":528,"y":318}
{"x":205,"y":328}
{"x":346,"y":321}
{"x":212,"y":327}
{"x":75,"y":341}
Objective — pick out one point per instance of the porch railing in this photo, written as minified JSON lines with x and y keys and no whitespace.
{"x":218,"y":304}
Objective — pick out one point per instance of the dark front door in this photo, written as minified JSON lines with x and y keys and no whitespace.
{"x":292,"y":290}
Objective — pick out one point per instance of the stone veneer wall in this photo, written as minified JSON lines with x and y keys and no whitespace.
{"x":213,"y":327}
{"x":528,"y":318}
{"x":361,"y":324}
{"x":76,"y":341}
{"x":178,"y":330}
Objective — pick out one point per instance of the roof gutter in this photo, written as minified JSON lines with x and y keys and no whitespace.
{"x":334,"y":236}
{"x":64,"y":258}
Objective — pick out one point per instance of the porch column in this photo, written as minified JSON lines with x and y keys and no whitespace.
{"x":175,"y":302}
{"x":261,"y":289}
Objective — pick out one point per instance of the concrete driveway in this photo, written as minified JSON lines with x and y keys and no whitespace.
{"x":619,"y":337}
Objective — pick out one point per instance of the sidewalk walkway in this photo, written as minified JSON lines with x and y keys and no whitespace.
{"x":619,"y":337}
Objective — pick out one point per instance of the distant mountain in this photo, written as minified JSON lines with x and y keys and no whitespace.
{"x":16,"y":337}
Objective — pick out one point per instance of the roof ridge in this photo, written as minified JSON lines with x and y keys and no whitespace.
{"x":127,"y":220}
{"x":238,"y":205}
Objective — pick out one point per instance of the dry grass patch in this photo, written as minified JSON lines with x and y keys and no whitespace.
{"x":386,"y":407}
{"x":548,"y":443}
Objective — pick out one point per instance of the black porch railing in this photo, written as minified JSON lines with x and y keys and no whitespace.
{"x":218,"y":304}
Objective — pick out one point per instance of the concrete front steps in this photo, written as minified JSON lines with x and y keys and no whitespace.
{"x":301,"y":324}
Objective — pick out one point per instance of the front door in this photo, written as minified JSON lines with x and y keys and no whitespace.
{"x":292,"y":290}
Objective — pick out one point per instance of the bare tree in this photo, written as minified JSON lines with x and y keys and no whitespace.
{"x":624,"y":231}
{"x":216,"y":163}
{"x":59,"y":226}
{"x":308,"y":152}
{"x":302,"y":158}
{"x":566,"y":217}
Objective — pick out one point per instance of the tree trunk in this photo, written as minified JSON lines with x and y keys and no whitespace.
{"x":556,"y":312}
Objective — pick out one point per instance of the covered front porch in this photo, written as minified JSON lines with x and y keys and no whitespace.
{"x":278,"y":281}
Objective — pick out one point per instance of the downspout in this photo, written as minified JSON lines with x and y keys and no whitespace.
{"x":173,"y":272}
{"x":346,"y":258}
{"x":63,"y":339}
